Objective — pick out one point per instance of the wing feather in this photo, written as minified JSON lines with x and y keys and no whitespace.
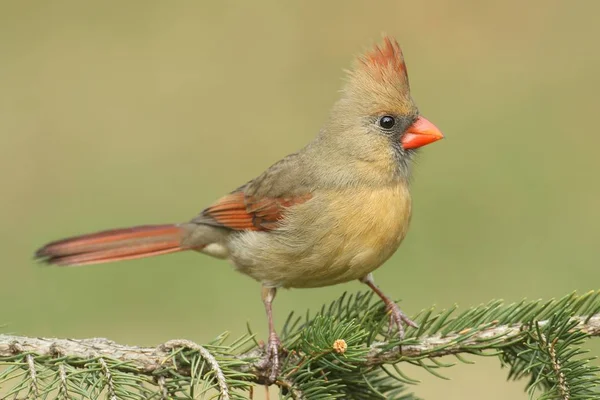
{"x":238,"y":211}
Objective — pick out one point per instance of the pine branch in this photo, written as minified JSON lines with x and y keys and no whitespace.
{"x":493,"y":336}
{"x":345,"y":351}
{"x":147,"y":360}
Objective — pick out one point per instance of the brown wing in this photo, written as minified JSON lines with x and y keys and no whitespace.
{"x":239,"y":211}
{"x":261,"y":203}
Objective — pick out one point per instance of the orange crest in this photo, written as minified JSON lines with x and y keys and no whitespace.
{"x":385,"y":61}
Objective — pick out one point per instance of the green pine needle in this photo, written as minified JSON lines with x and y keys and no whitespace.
{"x":344,"y":351}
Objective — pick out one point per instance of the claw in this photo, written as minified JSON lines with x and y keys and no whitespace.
{"x":398,"y":318}
{"x":270,"y":362}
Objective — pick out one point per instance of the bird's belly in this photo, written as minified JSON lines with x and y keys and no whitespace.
{"x":349,"y":236}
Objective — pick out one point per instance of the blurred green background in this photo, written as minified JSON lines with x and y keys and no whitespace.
{"x":122,"y":113}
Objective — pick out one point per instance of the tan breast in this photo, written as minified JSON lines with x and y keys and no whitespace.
{"x":335,"y":237}
{"x":371,"y":225}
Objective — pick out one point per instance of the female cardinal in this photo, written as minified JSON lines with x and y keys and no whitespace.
{"x":330,"y":213}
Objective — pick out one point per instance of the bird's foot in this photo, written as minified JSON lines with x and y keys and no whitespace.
{"x":398,"y":319}
{"x":270,"y":363}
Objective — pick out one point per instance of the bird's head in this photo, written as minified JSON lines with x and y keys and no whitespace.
{"x":376,"y":116}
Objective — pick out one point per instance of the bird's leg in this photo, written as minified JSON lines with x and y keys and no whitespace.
{"x":271,"y":360}
{"x":397,"y":317}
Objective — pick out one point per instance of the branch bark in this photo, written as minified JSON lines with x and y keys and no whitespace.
{"x":147,"y":360}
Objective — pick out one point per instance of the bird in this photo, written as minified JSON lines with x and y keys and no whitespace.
{"x":330,"y":213}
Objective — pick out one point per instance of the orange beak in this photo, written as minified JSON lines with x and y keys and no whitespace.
{"x":421,"y":133}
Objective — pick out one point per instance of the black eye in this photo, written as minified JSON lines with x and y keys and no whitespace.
{"x":387,"y":122}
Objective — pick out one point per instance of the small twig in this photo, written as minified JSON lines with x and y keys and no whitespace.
{"x":109,"y":379}
{"x":296,"y":394}
{"x":163,"y":390}
{"x":562,"y":382}
{"x":206,"y":355}
{"x":62,"y":374}
{"x":32,"y":375}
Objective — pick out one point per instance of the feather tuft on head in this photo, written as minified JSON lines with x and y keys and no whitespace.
{"x":379,"y":79}
{"x":386,"y":58}
{"x":384,"y":63}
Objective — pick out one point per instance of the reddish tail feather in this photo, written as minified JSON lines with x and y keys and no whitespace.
{"x":113,"y":245}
